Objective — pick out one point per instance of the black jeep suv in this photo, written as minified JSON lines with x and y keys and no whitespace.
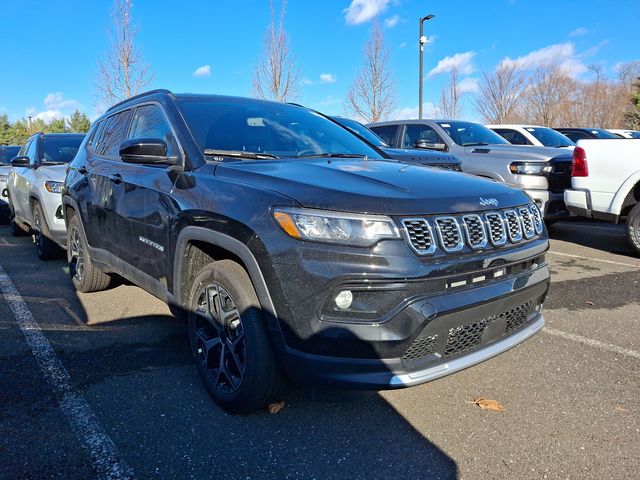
{"x":294,"y":249}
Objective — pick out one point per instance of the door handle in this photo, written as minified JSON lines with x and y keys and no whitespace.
{"x":115,"y":178}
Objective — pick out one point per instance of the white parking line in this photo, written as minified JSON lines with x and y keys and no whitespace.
{"x":593,"y":343}
{"x":612,"y":262}
{"x":85,"y":425}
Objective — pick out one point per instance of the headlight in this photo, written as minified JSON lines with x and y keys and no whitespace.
{"x":335,"y":227}
{"x":526,"y":168}
{"x":53,"y":187}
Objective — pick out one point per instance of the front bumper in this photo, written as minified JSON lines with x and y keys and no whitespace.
{"x":552,"y":204}
{"x":436,"y":316}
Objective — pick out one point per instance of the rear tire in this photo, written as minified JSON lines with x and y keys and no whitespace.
{"x":633,"y":228}
{"x":84,"y":275}
{"x":229,"y":340}
{"x":45,"y":247}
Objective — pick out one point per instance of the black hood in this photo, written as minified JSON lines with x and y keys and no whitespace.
{"x":421,"y":157}
{"x":373,"y":186}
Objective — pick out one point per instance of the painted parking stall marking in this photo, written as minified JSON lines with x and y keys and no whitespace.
{"x":592,"y":343}
{"x":83,"y":421}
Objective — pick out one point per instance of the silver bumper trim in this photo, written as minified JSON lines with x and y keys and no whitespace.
{"x":460,"y":363}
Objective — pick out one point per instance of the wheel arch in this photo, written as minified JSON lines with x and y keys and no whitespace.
{"x":627,"y":196}
{"x":198,"y":246}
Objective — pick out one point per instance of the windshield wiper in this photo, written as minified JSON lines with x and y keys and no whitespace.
{"x":238,"y":154}
{"x":333,"y":155}
{"x":475,"y":144}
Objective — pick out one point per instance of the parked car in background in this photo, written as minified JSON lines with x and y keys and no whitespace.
{"x":622,"y":133}
{"x":290,"y":245}
{"x":606,"y":184}
{"x":576,"y":134}
{"x":35,"y":186}
{"x":7,"y":152}
{"x":428,"y":158}
{"x":533,"y":135}
{"x":543,"y":172}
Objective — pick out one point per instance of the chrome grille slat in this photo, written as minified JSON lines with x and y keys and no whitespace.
{"x":449,"y":234}
{"x":475,"y":231}
{"x":528,"y":228}
{"x":514,"y":228}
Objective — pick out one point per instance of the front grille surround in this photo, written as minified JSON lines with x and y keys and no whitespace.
{"x":474,"y":231}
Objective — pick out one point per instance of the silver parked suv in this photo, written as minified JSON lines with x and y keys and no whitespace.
{"x":543,"y":172}
{"x":34,"y":186}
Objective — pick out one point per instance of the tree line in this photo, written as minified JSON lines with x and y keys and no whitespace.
{"x":16,"y":133}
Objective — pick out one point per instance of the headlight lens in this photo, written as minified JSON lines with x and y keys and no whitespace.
{"x":527,"y":168}
{"x":335,"y":227}
{"x":53,"y":187}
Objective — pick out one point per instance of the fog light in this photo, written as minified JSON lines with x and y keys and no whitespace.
{"x":344,"y":299}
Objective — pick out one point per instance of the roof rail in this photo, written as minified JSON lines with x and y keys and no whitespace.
{"x":135,"y":97}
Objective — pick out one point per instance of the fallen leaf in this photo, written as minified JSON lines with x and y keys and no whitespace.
{"x":275,"y":407}
{"x":589,"y":303}
{"x":488,"y":404}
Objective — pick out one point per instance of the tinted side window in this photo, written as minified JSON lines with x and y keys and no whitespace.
{"x":108,"y":139}
{"x":575,"y":136}
{"x":423,"y":132}
{"x":24,"y":148}
{"x":31,"y":152}
{"x":513,"y":136}
{"x":386,"y":132}
{"x":150,"y":122}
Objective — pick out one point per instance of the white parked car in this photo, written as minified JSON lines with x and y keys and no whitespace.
{"x":532,"y":135}
{"x":625,"y":133}
{"x":606,"y":184}
{"x":34,"y":185}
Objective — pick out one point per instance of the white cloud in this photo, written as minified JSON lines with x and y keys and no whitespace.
{"x":328,"y":78}
{"x":324,"y":78}
{"x":469,"y":84}
{"x":462,"y":62}
{"x":55,"y":106}
{"x":429,"y":110}
{"x":578,"y":32}
{"x":561,"y":54}
{"x":361,"y":11}
{"x":203,"y":71}
{"x":392,"y":21}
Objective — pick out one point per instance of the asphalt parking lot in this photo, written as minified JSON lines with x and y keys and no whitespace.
{"x":117,"y":396}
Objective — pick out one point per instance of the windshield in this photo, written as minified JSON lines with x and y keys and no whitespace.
{"x":359,"y":129}
{"x":61,"y":149}
{"x":7,"y":153}
{"x":600,"y":133}
{"x":549,"y":137}
{"x":470,"y":134}
{"x":269,"y":128}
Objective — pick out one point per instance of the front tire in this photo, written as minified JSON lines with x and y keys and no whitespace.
{"x":45,"y":247}
{"x":633,"y":228}
{"x":229,"y":340}
{"x":84,"y":275}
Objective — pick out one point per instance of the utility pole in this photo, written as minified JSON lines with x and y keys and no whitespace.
{"x":422,"y":40}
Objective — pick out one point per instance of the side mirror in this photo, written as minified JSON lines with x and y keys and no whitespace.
{"x":147,"y":151}
{"x":422,"y":143}
{"x":20,"y":162}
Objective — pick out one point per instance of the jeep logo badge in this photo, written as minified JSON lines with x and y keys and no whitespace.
{"x":486,"y":202}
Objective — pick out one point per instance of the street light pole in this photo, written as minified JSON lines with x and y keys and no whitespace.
{"x":422,"y":41}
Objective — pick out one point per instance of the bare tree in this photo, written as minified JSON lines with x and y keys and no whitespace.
{"x":276,"y":76}
{"x":499,"y":96}
{"x":122,"y":72}
{"x":549,"y":97}
{"x":372,"y":95}
{"x":450,"y":96}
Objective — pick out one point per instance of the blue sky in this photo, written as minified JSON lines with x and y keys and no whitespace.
{"x":50,"y":49}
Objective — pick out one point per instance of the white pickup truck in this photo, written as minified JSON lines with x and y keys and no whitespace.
{"x":606,"y":183}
